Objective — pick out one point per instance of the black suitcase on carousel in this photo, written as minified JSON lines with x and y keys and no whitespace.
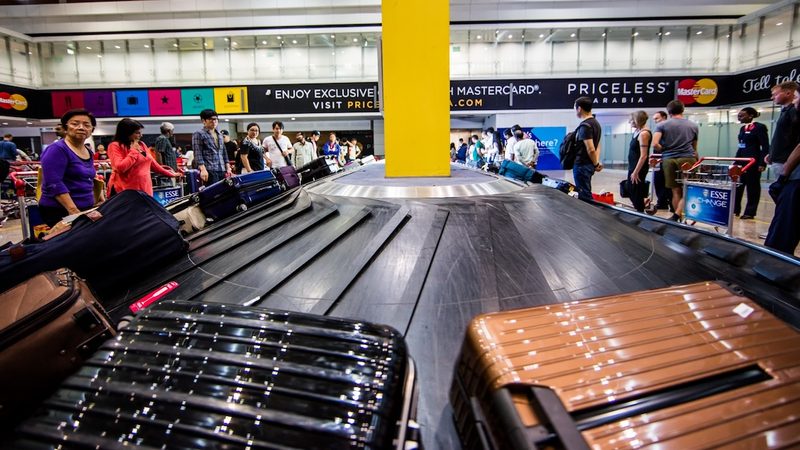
{"x":132,"y":236}
{"x":188,"y":375}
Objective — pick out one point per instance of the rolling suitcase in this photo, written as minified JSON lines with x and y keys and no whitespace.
{"x":695,"y":366}
{"x":193,"y":182}
{"x":287,"y":177}
{"x":316,"y":169}
{"x":188,"y":214}
{"x":189,"y":375}
{"x":226,"y":197}
{"x":49,"y":325}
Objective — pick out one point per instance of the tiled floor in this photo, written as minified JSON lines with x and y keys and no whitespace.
{"x":607,"y":180}
{"x":748,"y":230}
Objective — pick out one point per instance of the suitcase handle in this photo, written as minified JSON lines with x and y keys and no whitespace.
{"x":557,"y":422}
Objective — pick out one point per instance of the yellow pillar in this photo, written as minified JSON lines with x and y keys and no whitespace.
{"x":416,"y":87}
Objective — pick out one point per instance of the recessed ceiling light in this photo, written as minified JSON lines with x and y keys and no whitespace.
{"x":333,"y":53}
{"x":70,"y":51}
{"x":365,"y":43}
{"x":572,"y":35}
{"x":355,"y":39}
{"x":234,"y":43}
{"x":88,"y":48}
{"x":604,"y":35}
{"x":479,"y":37}
{"x":117,"y":47}
{"x":523,"y":36}
{"x":280,"y":37}
{"x":541,"y":36}
{"x":779,"y":24}
{"x":294,"y":41}
{"x":226,"y":39}
{"x":146,"y":46}
{"x":264,"y":42}
{"x":727,"y":35}
{"x":99,"y":56}
{"x":30,"y":53}
{"x":699,"y":32}
{"x":294,"y":118}
{"x":667,"y":33}
{"x":174,"y":45}
{"x":511,"y":36}
{"x":205,"y":44}
{"x":30,"y":123}
{"x":635,"y":34}
{"x":333,"y":36}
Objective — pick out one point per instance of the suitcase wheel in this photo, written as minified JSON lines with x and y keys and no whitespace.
{"x":241,"y":207}
{"x":229,"y":181}
{"x":195,"y":198}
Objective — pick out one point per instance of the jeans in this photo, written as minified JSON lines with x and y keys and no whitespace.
{"x":583,"y":180}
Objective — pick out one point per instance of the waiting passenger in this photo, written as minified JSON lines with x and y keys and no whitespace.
{"x":304,"y":151}
{"x":638,"y":155}
{"x":251,"y":153}
{"x":461,"y":154}
{"x":209,"y":149}
{"x":68,"y":170}
{"x":510,"y":142}
{"x":587,"y":159}
{"x":663,"y":194}
{"x":477,"y":153}
{"x":131,"y":162}
{"x":527,"y":153}
{"x":277,"y":147}
{"x":676,"y":140}
{"x":753,"y":143}
{"x":331,"y":149}
{"x":165,"y":150}
{"x":784,"y":230}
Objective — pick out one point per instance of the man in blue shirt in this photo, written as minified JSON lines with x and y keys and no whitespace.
{"x":8,"y":153}
{"x":209,"y":149}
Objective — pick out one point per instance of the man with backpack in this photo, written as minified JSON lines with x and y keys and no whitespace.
{"x":587,"y":148}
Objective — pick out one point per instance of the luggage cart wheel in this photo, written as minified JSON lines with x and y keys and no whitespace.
{"x":241,"y":207}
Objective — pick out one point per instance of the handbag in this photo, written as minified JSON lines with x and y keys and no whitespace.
{"x":288,"y":160}
{"x":625,"y":188}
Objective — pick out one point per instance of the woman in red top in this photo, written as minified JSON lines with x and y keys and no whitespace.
{"x":131,"y":161}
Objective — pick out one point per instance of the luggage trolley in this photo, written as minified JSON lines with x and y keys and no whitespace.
{"x":655,"y":166}
{"x":709,"y":190}
{"x":25,"y":188}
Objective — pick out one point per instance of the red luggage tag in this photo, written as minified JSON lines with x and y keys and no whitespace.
{"x":153,"y":297}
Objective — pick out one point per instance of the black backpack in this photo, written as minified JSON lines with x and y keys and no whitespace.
{"x":569,"y":149}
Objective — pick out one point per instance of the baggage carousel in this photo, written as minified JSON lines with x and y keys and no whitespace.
{"x":425,"y":255}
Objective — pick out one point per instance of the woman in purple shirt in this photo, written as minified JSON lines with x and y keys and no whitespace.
{"x":68,"y":170}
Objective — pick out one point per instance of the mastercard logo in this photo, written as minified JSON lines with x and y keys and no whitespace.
{"x":702,"y":91}
{"x":15,"y":101}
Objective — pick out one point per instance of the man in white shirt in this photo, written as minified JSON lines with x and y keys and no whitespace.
{"x":527,"y":153}
{"x":278,"y":146}
{"x":304,"y":151}
{"x":511,"y":141}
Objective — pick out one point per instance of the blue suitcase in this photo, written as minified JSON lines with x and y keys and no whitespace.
{"x":192,"y":180}
{"x":226,"y":197}
{"x":517,"y":171}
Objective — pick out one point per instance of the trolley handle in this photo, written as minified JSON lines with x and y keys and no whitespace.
{"x":750,"y":161}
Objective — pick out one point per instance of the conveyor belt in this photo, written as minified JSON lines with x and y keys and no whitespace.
{"x":427,"y":266}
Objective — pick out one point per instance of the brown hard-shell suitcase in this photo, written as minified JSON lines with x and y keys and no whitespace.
{"x":694,"y":366}
{"x":49,"y":325}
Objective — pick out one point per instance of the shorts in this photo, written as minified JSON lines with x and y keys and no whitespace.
{"x":672,"y":170}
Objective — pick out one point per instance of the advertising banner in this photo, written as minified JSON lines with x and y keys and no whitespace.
{"x":230,"y":100}
{"x":166,"y":195}
{"x":548,"y":140}
{"x":708,"y":204}
{"x":756,"y":85}
{"x":21,"y":102}
{"x":165,"y":102}
{"x":492,"y":95}
{"x":100,"y":103}
{"x":195,"y":100}
{"x":63,"y":101}
{"x":314,"y":98}
{"x":132,"y":103}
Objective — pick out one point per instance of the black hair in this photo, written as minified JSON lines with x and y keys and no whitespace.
{"x":489,"y":130}
{"x":125,"y":128}
{"x":77,"y":112}
{"x":675,"y":107}
{"x":516,"y":127}
{"x":584,"y":103}
{"x":315,"y":133}
{"x":253,"y":124}
{"x":751,"y":111}
{"x":208,"y":114}
{"x":278,"y":123}
{"x":476,"y":137}
{"x":507,"y":133}
{"x":663,"y":114}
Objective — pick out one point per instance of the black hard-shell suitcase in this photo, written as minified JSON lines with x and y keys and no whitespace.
{"x":225,"y":197}
{"x":188,"y":375}
{"x":314,"y":170}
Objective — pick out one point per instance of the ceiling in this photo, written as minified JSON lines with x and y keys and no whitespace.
{"x":67,"y":17}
